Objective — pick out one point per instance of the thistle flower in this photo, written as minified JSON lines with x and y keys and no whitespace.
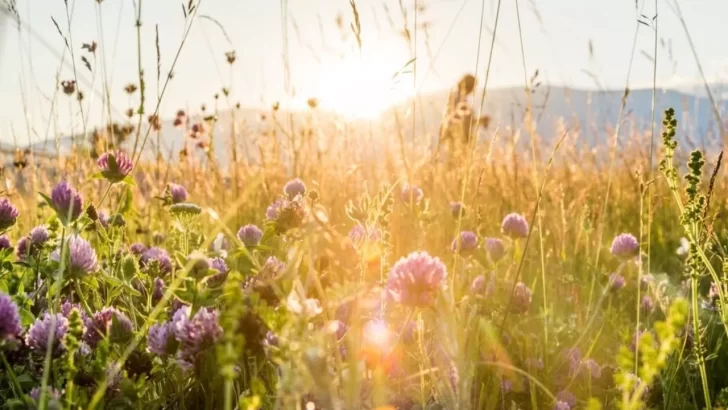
{"x":294,"y":188}
{"x":616,"y":282}
{"x":161,"y":339}
{"x":515,"y":226}
{"x":39,"y":334}
{"x":625,"y":246}
{"x":10,"y":328}
{"x":411,"y":194}
{"x":115,"y":167}
{"x":67,"y":202}
{"x":5,"y":242}
{"x":274,"y":209}
{"x":8,"y":214}
{"x":196,"y":334}
{"x":39,"y":235}
{"x":159,"y":255}
{"x":137,"y":248}
{"x":250,"y":235}
{"x":177,"y":193}
{"x":108,"y":322}
{"x":457,"y":209}
{"x":521,"y":298}
{"x":82,"y":257}
{"x":416,"y":279}
{"x":466,"y":241}
{"x":495,"y":249}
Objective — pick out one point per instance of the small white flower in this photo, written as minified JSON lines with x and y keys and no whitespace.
{"x":684,"y":247}
{"x":307,"y":308}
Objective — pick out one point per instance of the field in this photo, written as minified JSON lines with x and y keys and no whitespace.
{"x":321,"y":267}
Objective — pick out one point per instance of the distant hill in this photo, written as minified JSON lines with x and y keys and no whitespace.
{"x":591,"y":112}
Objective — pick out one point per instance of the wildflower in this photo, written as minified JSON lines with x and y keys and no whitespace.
{"x":304,"y":307}
{"x":521,"y":298}
{"x":515,"y":226}
{"x":69,"y":86}
{"x":196,"y":334}
{"x":161,"y":339}
{"x":595,"y":371}
{"x":338,"y":328}
{"x":160,"y":256}
{"x":199,"y":130}
{"x":39,"y":334}
{"x":158,"y":292}
{"x":479,"y":285}
{"x":573,"y":356}
{"x":23,"y":248}
{"x":67,"y":202}
{"x":104,"y":219}
{"x":359,"y":234}
{"x":137,"y":248}
{"x":176,"y":193}
{"x":115,"y":167}
{"x":684,"y":248}
{"x":5,"y":242}
{"x":220,"y":244}
{"x":108,"y":322}
{"x":647,"y":303}
{"x":414,"y":280}
{"x":616,"y":282}
{"x":567,"y":397}
{"x":495,"y":248}
{"x":53,"y":398}
{"x":294,"y":188}
{"x":8,"y":214}
{"x":561,"y":405}
{"x":466,"y":241}
{"x":82,"y":257}
{"x":219,"y":265}
{"x":250,"y":235}
{"x":646,"y":281}
{"x":625,"y":246}
{"x":10,"y":328}
{"x":39,"y":235}
{"x":457,"y":209}
{"x":411,"y":194}
{"x":274,"y":209}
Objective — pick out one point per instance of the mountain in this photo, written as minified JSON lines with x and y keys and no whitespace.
{"x":555,"y":108}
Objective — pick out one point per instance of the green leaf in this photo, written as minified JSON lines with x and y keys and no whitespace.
{"x":111,"y":280}
{"x":26,"y":318}
{"x":129,"y":180}
{"x":47,"y":199}
{"x":4,"y":287}
{"x":98,"y":175}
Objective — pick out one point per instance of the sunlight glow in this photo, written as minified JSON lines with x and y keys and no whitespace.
{"x":362,"y":87}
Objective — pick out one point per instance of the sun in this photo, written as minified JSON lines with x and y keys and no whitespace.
{"x":361,"y":87}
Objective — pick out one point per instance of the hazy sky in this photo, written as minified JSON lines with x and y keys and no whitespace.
{"x":322,"y":58}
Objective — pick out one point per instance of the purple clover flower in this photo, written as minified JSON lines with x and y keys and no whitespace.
{"x":274,"y":209}
{"x":177,"y":193}
{"x":5,"y":242}
{"x":39,"y":235}
{"x":39,"y":334}
{"x":465,"y":242}
{"x":625,"y":246}
{"x":23,"y":248}
{"x":415,"y":279}
{"x":359,"y":234}
{"x":495,"y":248}
{"x":411,"y":194}
{"x":137,"y":248}
{"x":647,"y":304}
{"x":119,"y":169}
{"x":197,"y":334}
{"x":108,"y":322}
{"x":159,"y":255}
{"x":479,"y":285}
{"x":10,"y":328}
{"x":521,"y":298}
{"x":67,"y":202}
{"x":616,"y":282}
{"x":567,"y":397}
{"x":594,"y":370}
{"x":161,"y":339}
{"x":294,"y":188}
{"x":457,"y":209}
{"x":82,"y":257}
{"x":53,"y":398}
{"x":8,"y":214}
{"x":219,"y":265}
{"x":515,"y":226}
{"x":561,"y":405}
{"x":250,"y":235}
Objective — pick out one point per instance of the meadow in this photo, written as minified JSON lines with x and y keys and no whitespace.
{"x":494,"y":270}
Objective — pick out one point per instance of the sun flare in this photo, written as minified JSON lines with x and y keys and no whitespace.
{"x":361,"y":88}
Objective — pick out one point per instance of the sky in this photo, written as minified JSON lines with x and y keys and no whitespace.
{"x":323,"y":58}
